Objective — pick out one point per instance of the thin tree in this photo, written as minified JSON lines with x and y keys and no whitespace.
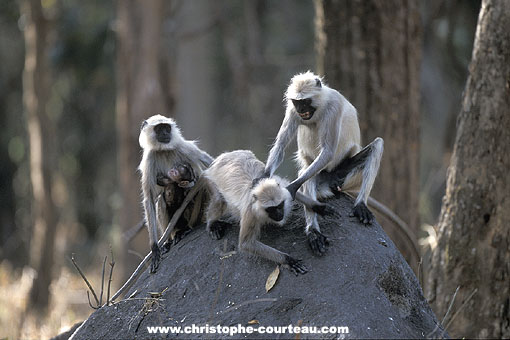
{"x":140,"y":94}
{"x":473,"y":246}
{"x":370,"y":52}
{"x":36,"y":81}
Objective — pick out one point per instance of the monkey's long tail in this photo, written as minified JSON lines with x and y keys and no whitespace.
{"x":396,"y":220}
{"x":171,"y":225}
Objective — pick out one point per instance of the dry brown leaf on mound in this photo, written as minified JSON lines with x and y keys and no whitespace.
{"x":272,"y":278}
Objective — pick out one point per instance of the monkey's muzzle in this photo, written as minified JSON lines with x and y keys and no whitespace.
{"x":306,"y":115}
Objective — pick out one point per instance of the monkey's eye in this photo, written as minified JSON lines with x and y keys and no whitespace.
{"x":144,"y":124}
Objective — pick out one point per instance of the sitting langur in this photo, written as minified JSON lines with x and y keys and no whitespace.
{"x":176,"y":184}
{"x":328,"y":138}
{"x":235,"y":192}
{"x":163,"y":147}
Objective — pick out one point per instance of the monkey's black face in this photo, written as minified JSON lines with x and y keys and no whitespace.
{"x":163,"y":133}
{"x":276,"y":212}
{"x":304,"y":108}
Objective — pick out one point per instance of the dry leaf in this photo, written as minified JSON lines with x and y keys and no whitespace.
{"x":253,"y":322}
{"x":271,"y":279}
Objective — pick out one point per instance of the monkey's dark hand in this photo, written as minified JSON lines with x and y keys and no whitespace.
{"x":318,"y":242}
{"x":292,"y":188}
{"x":295,"y":265}
{"x":217,"y":229}
{"x":156,"y":257}
{"x":323,"y":209}
{"x":162,"y":180}
{"x":364,"y":215}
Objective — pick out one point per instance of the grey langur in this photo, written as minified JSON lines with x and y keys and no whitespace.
{"x":329,"y":145}
{"x":163,"y":147}
{"x":234,"y":192}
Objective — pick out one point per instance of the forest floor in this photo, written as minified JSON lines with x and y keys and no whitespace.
{"x":68,"y":303}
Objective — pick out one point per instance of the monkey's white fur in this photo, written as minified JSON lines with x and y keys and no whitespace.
{"x":158,"y":158}
{"x":330,"y":136}
{"x":230,"y":177}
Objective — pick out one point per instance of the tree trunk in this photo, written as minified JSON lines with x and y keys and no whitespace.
{"x":195,"y":73}
{"x":370,"y":52}
{"x":36,"y":85}
{"x":140,"y":93}
{"x":474,"y":240}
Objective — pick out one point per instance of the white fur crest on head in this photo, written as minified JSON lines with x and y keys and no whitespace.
{"x":269,"y":192}
{"x":303,"y":85}
{"x":147,"y":139}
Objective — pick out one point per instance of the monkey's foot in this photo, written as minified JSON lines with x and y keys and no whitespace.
{"x":295,"y":265}
{"x":364,"y":215}
{"x":166,"y":247}
{"x":217,"y":229}
{"x":318,"y":242}
{"x":180,"y":234}
{"x":156,"y":257}
{"x":323,"y":209}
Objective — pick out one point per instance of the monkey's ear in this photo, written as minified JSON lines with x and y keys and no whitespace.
{"x":318,"y":82}
{"x":144,"y":123}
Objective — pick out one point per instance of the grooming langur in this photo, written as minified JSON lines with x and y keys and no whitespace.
{"x":234,"y":192}
{"x":176,"y":184}
{"x":164,"y":147}
{"x":328,"y":138}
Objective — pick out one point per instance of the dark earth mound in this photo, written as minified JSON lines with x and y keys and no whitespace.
{"x":362,"y":282}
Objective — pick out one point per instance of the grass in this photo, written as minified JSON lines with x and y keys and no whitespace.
{"x":68,"y":303}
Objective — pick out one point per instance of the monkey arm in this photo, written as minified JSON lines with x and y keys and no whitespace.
{"x":248,"y":242}
{"x":329,"y":142}
{"x":320,"y":162}
{"x":205,"y":158}
{"x":151,"y":220}
{"x":312,"y":204}
{"x":285,"y":135}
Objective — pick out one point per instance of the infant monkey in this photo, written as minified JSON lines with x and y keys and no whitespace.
{"x":235,"y":191}
{"x":177,"y":182}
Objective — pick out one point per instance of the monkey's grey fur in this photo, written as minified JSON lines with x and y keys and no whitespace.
{"x":163,"y":147}
{"x":233,"y":192}
{"x":328,"y":134}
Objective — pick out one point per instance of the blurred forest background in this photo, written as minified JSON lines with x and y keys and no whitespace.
{"x":78,"y":77}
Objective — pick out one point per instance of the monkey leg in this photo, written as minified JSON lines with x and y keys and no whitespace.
{"x":358,"y":171}
{"x":317,"y":241}
{"x":216,"y":210}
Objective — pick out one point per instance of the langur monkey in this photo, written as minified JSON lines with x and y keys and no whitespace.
{"x":176,"y":183}
{"x":329,"y":145}
{"x":235,"y":192}
{"x":163,"y":147}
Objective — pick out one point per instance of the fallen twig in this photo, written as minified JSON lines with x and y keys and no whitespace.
{"x":102,"y":282}
{"x":86,"y":281}
{"x":112,"y":264}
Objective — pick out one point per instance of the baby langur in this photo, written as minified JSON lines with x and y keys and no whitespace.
{"x":164,"y":147}
{"x":234,"y":192}
{"x":176,"y":184}
{"x":328,"y":139}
